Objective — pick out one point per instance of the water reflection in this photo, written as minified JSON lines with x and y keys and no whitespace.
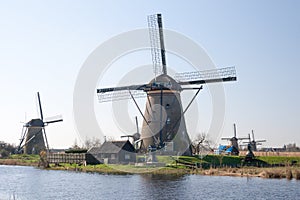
{"x":159,"y":186}
{"x":162,"y":177}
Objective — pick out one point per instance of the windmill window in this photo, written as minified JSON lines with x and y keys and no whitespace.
{"x":167,"y":106}
{"x":168,"y":120}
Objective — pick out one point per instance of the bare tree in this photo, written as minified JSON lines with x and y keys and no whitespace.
{"x":110,"y":138}
{"x":91,"y":142}
{"x":197,"y":141}
{"x":75,"y":145}
{"x":201,"y":144}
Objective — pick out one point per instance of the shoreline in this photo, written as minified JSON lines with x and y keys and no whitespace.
{"x":288,"y":172}
{"x":17,"y":162}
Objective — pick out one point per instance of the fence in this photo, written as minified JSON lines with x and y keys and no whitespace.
{"x":78,"y":158}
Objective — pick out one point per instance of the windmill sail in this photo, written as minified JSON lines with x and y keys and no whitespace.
{"x":157,"y":44}
{"x":207,"y":76}
{"x":53,"y":119}
{"x":119,"y":95}
{"x":40,"y":106}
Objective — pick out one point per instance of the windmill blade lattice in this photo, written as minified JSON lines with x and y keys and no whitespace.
{"x":154,"y":43}
{"x":53,"y":119}
{"x":206,"y":76}
{"x":120,"y":95}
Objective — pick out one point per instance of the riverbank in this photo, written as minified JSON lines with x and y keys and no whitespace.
{"x":283,"y":167}
{"x":22,"y":160}
{"x":270,"y":172}
{"x":274,"y":172}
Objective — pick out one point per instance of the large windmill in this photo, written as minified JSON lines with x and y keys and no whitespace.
{"x":163,"y":120}
{"x":33,"y":138}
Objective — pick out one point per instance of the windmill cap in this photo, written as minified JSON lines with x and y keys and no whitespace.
{"x":167,"y":81}
{"x":35,"y":123}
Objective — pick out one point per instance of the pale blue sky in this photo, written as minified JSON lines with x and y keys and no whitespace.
{"x":43,"y":45}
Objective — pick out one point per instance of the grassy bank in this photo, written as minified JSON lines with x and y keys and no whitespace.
{"x":283,"y":167}
{"x":122,"y":169}
{"x":21,"y":159}
{"x":274,"y":172}
{"x":210,"y":165}
{"x":280,"y":160}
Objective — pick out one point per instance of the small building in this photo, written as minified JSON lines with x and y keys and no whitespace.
{"x":114,"y":152}
{"x":228,"y":150}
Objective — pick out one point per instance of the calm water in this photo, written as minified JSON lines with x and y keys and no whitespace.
{"x":31,"y":183}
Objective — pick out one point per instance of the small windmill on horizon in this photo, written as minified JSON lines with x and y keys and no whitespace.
{"x":254,"y":143}
{"x":163,"y":120}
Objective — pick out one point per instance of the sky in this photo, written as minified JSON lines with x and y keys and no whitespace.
{"x":44,"y":44}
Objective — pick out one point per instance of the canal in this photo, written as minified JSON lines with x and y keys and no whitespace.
{"x":19,"y":182}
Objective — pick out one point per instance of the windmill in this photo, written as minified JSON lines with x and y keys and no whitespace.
{"x":254,"y":142}
{"x":234,"y":148}
{"x":136,"y":136}
{"x":33,"y":136}
{"x":163,"y":120}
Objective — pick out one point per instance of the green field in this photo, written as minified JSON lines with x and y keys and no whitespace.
{"x":280,"y":160}
{"x":229,"y":161}
{"x":179,"y":162}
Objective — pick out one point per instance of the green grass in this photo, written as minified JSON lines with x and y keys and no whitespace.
{"x":190,"y":159}
{"x":174,"y":164}
{"x":227,"y":160}
{"x":279,"y":160}
{"x":207,"y":161}
{"x":21,"y":159}
{"x":217,"y":160}
{"x":121,"y":169}
{"x":165,"y":159}
{"x":25,"y":157}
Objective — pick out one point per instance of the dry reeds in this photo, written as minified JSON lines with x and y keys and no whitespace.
{"x":289,"y":174}
{"x":232,"y":170}
{"x":297,"y":175}
{"x":272,"y":174}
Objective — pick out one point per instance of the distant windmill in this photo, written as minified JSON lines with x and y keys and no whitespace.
{"x":234,"y":142}
{"x":163,"y":119}
{"x":136,"y":136}
{"x":33,"y":137}
{"x":254,"y":142}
